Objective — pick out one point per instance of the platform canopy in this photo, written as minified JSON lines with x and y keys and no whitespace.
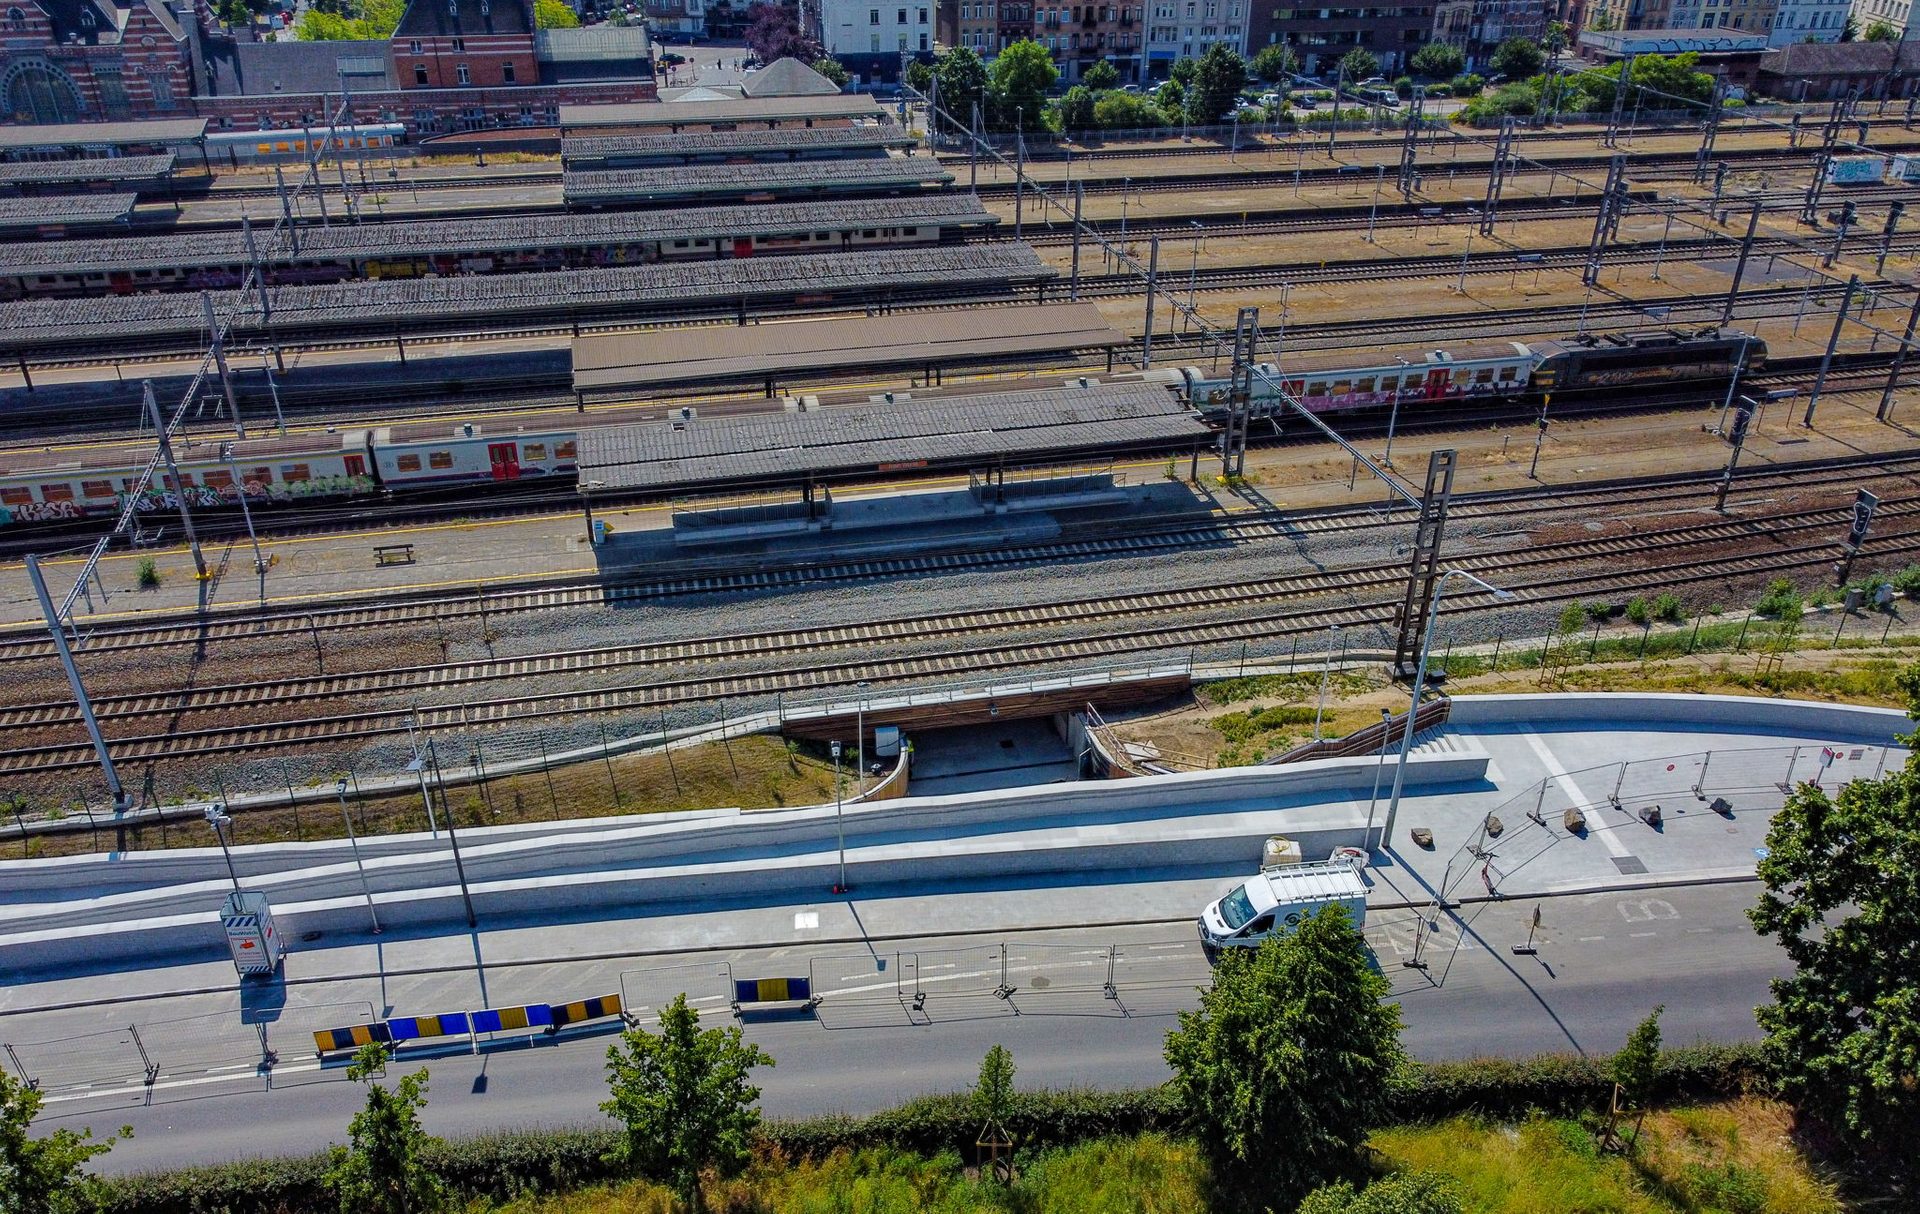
{"x":771,"y":351}
{"x":1042,"y":425}
{"x":96,"y":168}
{"x":154,"y":133}
{"x":28,"y":215}
{"x":850,"y":107}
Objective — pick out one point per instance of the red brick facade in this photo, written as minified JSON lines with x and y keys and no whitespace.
{"x":477,"y":61}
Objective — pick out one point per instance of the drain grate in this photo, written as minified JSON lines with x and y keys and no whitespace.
{"x":1629,"y":865}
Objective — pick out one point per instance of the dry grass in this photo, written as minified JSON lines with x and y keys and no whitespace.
{"x":754,"y":772}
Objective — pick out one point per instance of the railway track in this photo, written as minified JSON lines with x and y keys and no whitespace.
{"x":1279,"y":615}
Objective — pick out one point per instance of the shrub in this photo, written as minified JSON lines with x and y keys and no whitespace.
{"x":1781,"y":601}
{"x":1667,"y":606}
{"x":1467,"y":84}
{"x":1638,"y":612}
{"x":1597,"y":611}
{"x":147,"y":573}
{"x":1907,"y":581}
{"x":1572,"y":618}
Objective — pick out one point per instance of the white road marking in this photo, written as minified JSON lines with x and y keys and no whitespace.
{"x":1642,"y":935}
{"x":1558,"y":774}
{"x":1589,"y":939}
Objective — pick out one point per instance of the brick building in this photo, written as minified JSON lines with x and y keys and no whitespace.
{"x":81,"y":60}
{"x":444,"y":44}
{"x":1320,"y":36}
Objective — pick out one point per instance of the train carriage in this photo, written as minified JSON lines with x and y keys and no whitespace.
{"x":430,"y":455}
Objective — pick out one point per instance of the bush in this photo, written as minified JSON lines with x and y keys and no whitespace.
{"x":1781,"y":601}
{"x":1667,"y":606}
{"x":1467,"y":84}
{"x":1439,"y":90}
{"x":1907,"y":581}
{"x":1638,"y":612}
{"x":147,"y":573}
{"x":1597,"y":611}
{"x":1403,"y":87}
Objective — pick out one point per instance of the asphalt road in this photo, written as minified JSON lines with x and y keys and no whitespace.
{"x":1605,"y":960}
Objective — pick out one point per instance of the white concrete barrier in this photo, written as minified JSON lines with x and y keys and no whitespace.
{"x":1756,"y":715}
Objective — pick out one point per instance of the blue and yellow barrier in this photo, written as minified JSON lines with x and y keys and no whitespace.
{"x":585,"y":1009}
{"x":350,"y":1038}
{"x":772,"y":990}
{"x":551,"y":1017}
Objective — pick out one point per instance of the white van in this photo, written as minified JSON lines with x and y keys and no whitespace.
{"x":1277,"y":899}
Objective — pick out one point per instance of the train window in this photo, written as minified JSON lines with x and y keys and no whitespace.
{"x":533,"y":451}
{"x":1363,"y":385}
{"x":1462,"y":376}
{"x":1342,"y":387}
{"x":262,"y":149}
{"x":1483,"y":376}
{"x":11,"y":496}
{"x":563,"y":450}
{"x":867,"y":233}
{"x":679,"y":244}
{"x":96,"y":488}
{"x":262,"y":475}
{"x":216,"y":478}
{"x":61,"y":492}
{"x":439,"y":459}
{"x":409,"y":463}
{"x":295,"y":472}
{"x":1316,"y":389}
{"x":909,"y":231}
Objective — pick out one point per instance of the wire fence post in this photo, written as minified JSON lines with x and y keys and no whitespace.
{"x":727,"y":742}
{"x":667,"y":750}
{"x":606,"y":756}
{"x":546,"y":767}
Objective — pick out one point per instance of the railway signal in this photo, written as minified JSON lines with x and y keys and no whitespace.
{"x":1863,"y":507}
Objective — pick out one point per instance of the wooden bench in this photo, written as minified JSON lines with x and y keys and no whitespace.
{"x":393,"y":554}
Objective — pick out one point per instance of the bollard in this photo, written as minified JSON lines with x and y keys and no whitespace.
{"x":1700,"y":781}
{"x":1618,"y":782}
{"x":1786,"y":785}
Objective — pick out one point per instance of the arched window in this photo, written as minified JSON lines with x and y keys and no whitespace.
{"x":16,"y":20}
{"x":87,"y":18}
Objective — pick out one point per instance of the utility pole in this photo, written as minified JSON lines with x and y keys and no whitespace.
{"x":1709,"y":130}
{"x":1740,"y":266}
{"x":1895,"y":210}
{"x":1233,"y":440}
{"x":1425,"y":563}
{"x":266,"y":307}
{"x":1833,"y":341}
{"x":219,"y":342}
{"x":57,"y":628}
{"x":175,"y":482}
{"x":1899,"y":360}
{"x":1738,"y":436}
{"x":1079,"y":201}
{"x":1497,"y":176}
{"x":1153,"y":288}
{"x":1410,"y":145}
{"x":1612,"y":136}
{"x":1606,"y":223}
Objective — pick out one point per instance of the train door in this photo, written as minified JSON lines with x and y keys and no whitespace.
{"x":356,"y":465}
{"x":505,"y":458}
{"x":120,"y":282}
{"x":1436,"y":383}
{"x":743,"y":246}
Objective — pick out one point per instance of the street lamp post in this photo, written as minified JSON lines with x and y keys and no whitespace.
{"x":246,"y":512}
{"x":1419,"y":683}
{"x":1386,"y":732}
{"x":860,"y":737}
{"x":419,"y":768}
{"x":1193,"y":270}
{"x":1393,"y":418}
{"x":217,"y":818}
{"x":839,"y":821}
{"x":346,"y":816}
{"x":459,"y":867}
{"x":1326,"y":669}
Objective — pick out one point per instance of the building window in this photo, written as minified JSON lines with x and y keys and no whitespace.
{"x":923,"y":42}
{"x":459,"y":46}
{"x":875,"y":47}
{"x":16,"y":20}
{"x":902,"y":18}
{"x":413,"y":47}
{"x":460,"y":72}
{"x":506,"y":73}
{"x":923,"y":21}
{"x":420,"y":74}
{"x":873,"y":16}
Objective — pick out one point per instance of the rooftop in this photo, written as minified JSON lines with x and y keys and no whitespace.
{"x":735,"y":143}
{"x":841,"y":107}
{"x":394,"y":305}
{"x":775,"y":179}
{"x":488,"y":235}
{"x":465,"y":18}
{"x":24,"y":215}
{"x":655,"y":357}
{"x":93,"y":168}
{"x":103,"y":134}
{"x":1050,"y":423}
{"x":788,"y":77}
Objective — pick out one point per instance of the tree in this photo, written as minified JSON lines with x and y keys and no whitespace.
{"x":1275,"y":64}
{"x":1171,"y":97}
{"x":963,"y":84}
{"x":1018,"y":85}
{"x":554,"y":15}
{"x":1287,"y":1061}
{"x":1601,"y":22}
{"x":236,"y":13}
{"x":1182,"y":71}
{"x":1881,"y":31}
{"x":993,"y":1094}
{"x":40,"y":1174}
{"x":1126,"y":111}
{"x":381,"y":1169}
{"x":1556,"y":38}
{"x":684,"y":1098}
{"x":919,"y":77}
{"x":1217,"y":81}
{"x":1850,"y":28}
{"x":1438,"y":61}
{"x":1359,"y":64}
{"x":1101,"y":76}
{"x":1075,"y":110}
{"x":1841,"y":893}
{"x":1634,"y":1066}
{"x":1409,"y":1193}
{"x":773,"y":32}
{"x":1518,"y":59}
{"x":318,"y":25}
{"x":830,"y":67}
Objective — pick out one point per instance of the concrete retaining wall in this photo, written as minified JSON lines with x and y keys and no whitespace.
{"x":1719,"y":714}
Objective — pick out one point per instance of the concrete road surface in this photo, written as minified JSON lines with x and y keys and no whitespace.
{"x":1604,"y":961}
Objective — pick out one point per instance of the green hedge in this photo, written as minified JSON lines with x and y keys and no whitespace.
{"x":505,"y":1165}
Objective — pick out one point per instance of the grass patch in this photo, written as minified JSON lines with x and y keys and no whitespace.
{"x":1735,"y":1157}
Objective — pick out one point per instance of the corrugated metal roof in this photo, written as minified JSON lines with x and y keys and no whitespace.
{"x":63,"y":209}
{"x":668,"y":356}
{"x":850,"y":440}
{"x":766,"y":109}
{"x":88,"y":134}
{"x":99,"y":168}
{"x":735,"y":143}
{"x":401,"y":302}
{"x":489,"y":235}
{"x":785,"y":177}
